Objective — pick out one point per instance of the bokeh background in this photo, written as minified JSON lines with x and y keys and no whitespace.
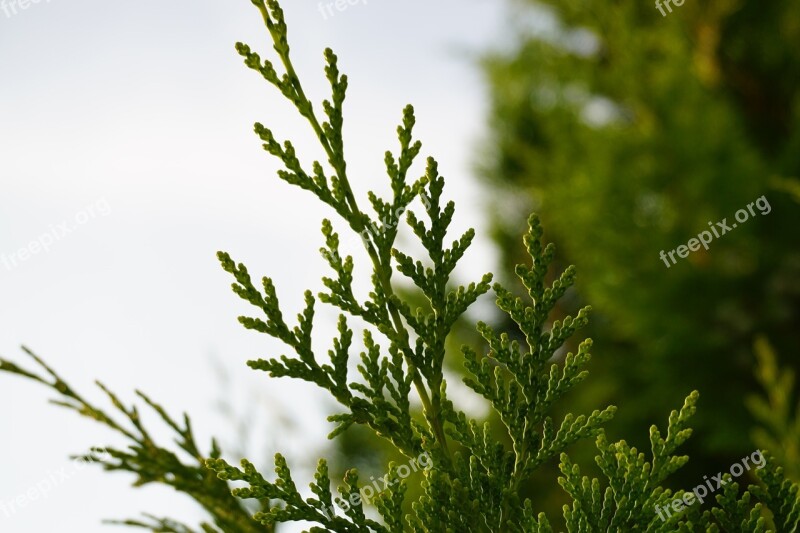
{"x":628,"y":131}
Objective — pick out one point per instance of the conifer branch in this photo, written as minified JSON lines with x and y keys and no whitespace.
{"x":330,"y":136}
{"x":184,"y":469}
{"x":476,"y":477}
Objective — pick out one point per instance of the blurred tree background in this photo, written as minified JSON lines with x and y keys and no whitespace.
{"x":629,"y":132}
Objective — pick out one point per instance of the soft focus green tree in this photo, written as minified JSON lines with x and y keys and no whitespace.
{"x":629,"y":132}
{"x":476,"y":476}
{"x":777,"y":410}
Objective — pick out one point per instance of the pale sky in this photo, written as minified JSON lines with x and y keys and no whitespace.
{"x":126,"y":150}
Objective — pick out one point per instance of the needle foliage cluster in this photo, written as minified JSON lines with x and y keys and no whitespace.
{"x":473,"y":479}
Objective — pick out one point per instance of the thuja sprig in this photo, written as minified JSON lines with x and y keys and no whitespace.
{"x":634,"y":490}
{"x":523,"y":385}
{"x":182,"y":469}
{"x":382,"y":310}
{"x":633,"y":497}
{"x":476,"y":485}
{"x":475,"y":479}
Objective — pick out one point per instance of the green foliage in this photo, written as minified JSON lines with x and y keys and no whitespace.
{"x":474,"y":479}
{"x":628,"y":132}
{"x":183,"y":468}
{"x":777,"y":415}
{"x":634,"y":485}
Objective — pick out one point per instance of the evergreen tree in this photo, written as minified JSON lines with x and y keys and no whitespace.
{"x":631,"y":133}
{"x":470,"y":479}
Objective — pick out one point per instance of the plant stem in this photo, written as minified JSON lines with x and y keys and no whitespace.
{"x":385,"y":271}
